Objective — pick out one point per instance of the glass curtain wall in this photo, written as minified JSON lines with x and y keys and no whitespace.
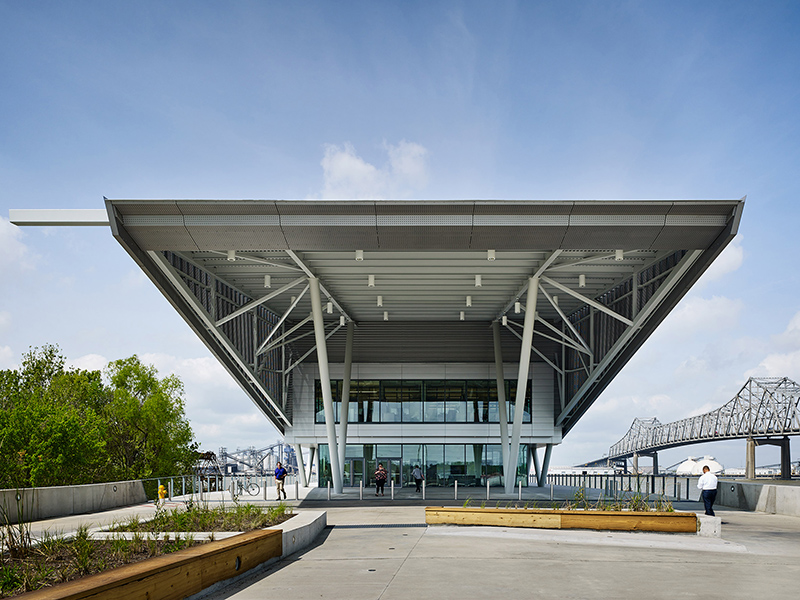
{"x":442,"y":464}
{"x":430,"y":401}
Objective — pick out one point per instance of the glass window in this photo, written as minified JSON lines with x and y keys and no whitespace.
{"x":369,"y":393}
{"x":455,"y":467}
{"x":478,"y":401}
{"x":391,"y":401}
{"x":437,"y":396}
{"x":412,"y":457}
{"x":324,"y":466}
{"x":319,"y":404}
{"x":474,"y":460}
{"x":511,"y":397}
{"x":434,"y":464}
{"x":412,"y":401}
{"x":493,"y":464}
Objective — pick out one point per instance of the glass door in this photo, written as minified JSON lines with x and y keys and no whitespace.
{"x":392,"y":466}
{"x":353,"y":472}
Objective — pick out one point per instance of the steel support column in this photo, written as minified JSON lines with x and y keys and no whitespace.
{"x":786,"y":459}
{"x":345,"y":408}
{"x":325,"y":383}
{"x":298,"y":453}
{"x":537,"y":467}
{"x":501,"y":390}
{"x":548,"y":451}
{"x":312,"y":450}
{"x":510,"y":468}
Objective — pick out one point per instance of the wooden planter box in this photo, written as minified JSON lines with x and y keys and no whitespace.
{"x":173,"y":576}
{"x":564,"y":519}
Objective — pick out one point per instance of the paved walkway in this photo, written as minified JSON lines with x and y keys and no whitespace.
{"x":360,"y":559}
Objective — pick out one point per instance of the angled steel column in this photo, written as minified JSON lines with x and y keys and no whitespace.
{"x":510,"y":468}
{"x":301,"y":470}
{"x":345,"y":408}
{"x":548,"y":450}
{"x":325,"y":383}
{"x":312,"y":450}
{"x":536,"y":466}
{"x":501,"y":390}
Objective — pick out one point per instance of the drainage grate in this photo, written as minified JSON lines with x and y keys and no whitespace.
{"x":378,"y":525}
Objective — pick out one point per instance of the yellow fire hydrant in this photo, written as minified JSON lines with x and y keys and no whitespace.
{"x":162,"y":492}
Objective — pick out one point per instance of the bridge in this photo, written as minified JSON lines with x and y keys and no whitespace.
{"x":764,"y":412}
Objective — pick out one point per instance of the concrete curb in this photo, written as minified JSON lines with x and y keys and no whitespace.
{"x":298,"y":533}
{"x":709,"y":526}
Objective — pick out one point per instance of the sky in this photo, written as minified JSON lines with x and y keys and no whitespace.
{"x":420,"y":100}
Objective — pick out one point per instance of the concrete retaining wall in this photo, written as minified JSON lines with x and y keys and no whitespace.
{"x":49,"y":502}
{"x":762,"y":497}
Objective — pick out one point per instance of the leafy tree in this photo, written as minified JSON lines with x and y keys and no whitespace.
{"x":63,"y":427}
{"x":49,"y":432}
{"x":148,"y":431}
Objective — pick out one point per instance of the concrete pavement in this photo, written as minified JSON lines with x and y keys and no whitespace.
{"x":361,"y":558}
{"x":378,"y":548}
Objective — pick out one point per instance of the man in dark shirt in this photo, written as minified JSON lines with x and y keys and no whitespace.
{"x":280,"y":475}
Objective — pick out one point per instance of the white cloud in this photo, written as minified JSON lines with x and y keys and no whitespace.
{"x":89,"y":362}
{"x":704,"y":315}
{"x":6,"y":358}
{"x":786,"y":363}
{"x":347,"y":176}
{"x":727,"y":262}
{"x":205,"y":370}
{"x":13,"y":252}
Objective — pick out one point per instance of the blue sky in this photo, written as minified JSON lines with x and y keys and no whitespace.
{"x":547,"y":100}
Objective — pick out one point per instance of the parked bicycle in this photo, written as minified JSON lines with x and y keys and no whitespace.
{"x":247,"y":485}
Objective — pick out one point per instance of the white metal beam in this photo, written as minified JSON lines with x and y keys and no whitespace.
{"x":501,"y":389}
{"x":589,"y":301}
{"x":345,"y":407}
{"x":655,"y":300}
{"x":325,"y":383}
{"x":510,"y":468}
{"x":254,"y":303}
{"x":281,"y":320}
{"x":296,"y":258}
{"x":542,"y":268}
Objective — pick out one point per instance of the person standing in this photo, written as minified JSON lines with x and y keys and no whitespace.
{"x":417,"y":475}
{"x":707,"y":484}
{"x":380,"y":479}
{"x":280,"y":475}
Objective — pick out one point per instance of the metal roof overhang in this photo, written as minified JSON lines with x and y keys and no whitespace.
{"x":210,"y":259}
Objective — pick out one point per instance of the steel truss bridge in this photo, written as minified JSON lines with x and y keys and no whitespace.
{"x":764,"y":412}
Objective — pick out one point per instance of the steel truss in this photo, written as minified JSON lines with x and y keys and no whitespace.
{"x":764,"y":407}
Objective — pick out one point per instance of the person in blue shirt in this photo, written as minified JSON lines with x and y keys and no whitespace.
{"x":280,"y":475}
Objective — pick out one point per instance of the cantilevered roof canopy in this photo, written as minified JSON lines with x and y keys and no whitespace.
{"x":422,"y":280}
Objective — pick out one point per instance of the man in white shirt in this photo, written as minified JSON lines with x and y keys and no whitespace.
{"x":708,"y":486}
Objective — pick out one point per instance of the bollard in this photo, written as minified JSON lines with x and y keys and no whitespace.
{"x":296,"y":489}
{"x":519,"y":495}
{"x":329,"y":489}
{"x":169,"y":490}
{"x":423,"y":489}
{"x":487,"y":488}
{"x":265,"y":489}
{"x":360,"y":489}
{"x":392,"y":489}
{"x":456,"y":491}
{"x":551,"y":492}
{"x":183,"y":485}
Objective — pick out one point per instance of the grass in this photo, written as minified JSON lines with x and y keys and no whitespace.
{"x":196,"y":517}
{"x":26,"y":566}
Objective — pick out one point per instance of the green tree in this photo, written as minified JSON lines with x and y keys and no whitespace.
{"x":50,"y":432}
{"x":148,"y":434}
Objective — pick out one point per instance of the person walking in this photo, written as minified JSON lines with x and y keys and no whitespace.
{"x":380,"y":479}
{"x":280,"y":475}
{"x":707,"y":484}
{"x":417,"y":475}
